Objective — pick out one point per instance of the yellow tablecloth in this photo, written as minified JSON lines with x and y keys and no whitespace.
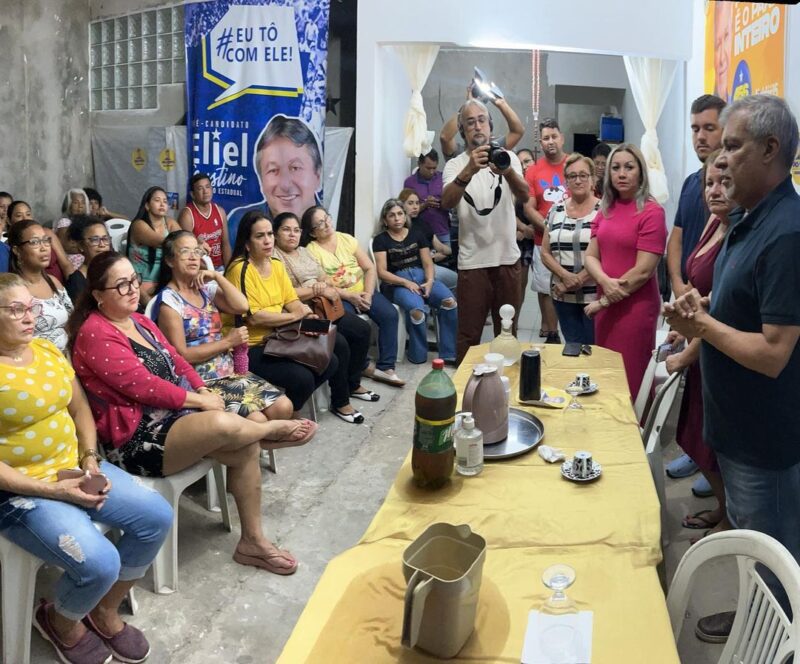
{"x":530,"y":517}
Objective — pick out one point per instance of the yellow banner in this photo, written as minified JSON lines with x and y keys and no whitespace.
{"x":745,"y":48}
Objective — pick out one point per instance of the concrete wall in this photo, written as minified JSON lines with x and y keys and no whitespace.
{"x":44,"y":101}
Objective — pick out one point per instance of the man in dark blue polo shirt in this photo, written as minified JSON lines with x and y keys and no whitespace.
{"x":750,"y":356}
{"x":690,"y":220}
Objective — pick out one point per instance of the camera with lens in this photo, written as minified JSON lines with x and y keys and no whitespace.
{"x":498,"y":156}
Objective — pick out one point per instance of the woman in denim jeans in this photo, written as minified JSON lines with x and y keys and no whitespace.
{"x":405,"y":267}
{"x":46,"y":426}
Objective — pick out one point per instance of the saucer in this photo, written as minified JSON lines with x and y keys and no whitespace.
{"x":566,"y":472}
{"x":590,"y":390}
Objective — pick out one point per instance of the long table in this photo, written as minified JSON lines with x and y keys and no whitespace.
{"x":531,"y":517}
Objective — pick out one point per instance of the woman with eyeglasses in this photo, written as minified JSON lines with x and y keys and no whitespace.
{"x":89,"y":234}
{"x":353,"y":274}
{"x":46,"y":427}
{"x":567,"y":233}
{"x":188,"y":302}
{"x":146,"y":234}
{"x":155,"y":416}
{"x":309,"y":281}
{"x":30,"y":255}
{"x":59,"y":266}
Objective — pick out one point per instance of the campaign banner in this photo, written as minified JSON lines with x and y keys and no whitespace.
{"x":745,"y":49}
{"x":256,"y":85}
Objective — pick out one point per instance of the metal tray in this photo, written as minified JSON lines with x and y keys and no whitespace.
{"x":525,"y":431}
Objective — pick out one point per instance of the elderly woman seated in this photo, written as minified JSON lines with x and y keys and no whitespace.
{"x":155,"y":415}
{"x":187,"y":309}
{"x":46,"y":427}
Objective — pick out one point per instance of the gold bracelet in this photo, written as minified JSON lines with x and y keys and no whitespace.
{"x":89,"y":453}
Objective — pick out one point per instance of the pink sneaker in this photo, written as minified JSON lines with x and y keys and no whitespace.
{"x":128,"y":645}
{"x":88,"y":650}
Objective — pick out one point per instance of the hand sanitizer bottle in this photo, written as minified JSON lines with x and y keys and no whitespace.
{"x":469,"y":447}
{"x":506,"y":343}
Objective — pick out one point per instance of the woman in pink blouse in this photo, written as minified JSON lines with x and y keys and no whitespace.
{"x":154,"y":415}
{"x":629,"y":235}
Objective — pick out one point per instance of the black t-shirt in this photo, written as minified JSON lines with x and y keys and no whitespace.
{"x":749,"y":416}
{"x":403,"y":254}
{"x":423,"y":228}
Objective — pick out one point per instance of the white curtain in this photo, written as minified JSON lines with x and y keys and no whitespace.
{"x":418,"y":61}
{"x":651,"y":79}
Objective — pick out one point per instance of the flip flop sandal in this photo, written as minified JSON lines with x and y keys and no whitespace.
{"x":369,"y":395}
{"x":266,"y":561}
{"x":290,"y":442}
{"x":704,"y":523}
{"x":353,"y":418}
{"x":695,"y":540}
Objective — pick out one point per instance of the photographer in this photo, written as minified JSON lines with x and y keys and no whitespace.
{"x":483,"y":183}
{"x":449,"y":132}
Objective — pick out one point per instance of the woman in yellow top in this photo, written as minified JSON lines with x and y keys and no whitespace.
{"x":46,"y":426}
{"x":353,"y":274}
{"x":273,"y":303}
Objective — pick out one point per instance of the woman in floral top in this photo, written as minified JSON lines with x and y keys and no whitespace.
{"x":190,"y":319}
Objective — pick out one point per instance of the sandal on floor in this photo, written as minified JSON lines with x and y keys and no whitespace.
{"x":703,"y":521}
{"x":695,"y":540}
{"x":290,"y":442}
{"x":389,"y":377}
{"x":353,"y":418}
{"x":367,"y":395}
{"x":266,"y":561}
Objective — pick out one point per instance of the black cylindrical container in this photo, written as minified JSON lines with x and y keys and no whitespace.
{"x":530,"y":376}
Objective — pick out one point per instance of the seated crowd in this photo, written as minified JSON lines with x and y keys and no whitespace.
{"x":94,"y":382}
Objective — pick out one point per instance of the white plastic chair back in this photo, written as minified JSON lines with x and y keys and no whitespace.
{"x":640,"y":404}
{"x":761,"y":633}
{"x":118,"y":230}
{"x":651,"y":437}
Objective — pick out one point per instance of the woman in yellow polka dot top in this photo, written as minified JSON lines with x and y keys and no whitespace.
{"x":46,"y":425}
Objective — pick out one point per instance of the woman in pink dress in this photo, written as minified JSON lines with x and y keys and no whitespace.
{"x":700,"y":270}
{"x":628,"y":239}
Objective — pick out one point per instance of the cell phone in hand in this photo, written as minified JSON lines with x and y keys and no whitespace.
{"x":315,"y":325}
{"x":92,"y":484}
{"x":665,"y":350}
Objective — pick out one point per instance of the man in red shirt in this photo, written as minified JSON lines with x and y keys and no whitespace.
{"x":546,"y":181}
{"x":207,"y":221}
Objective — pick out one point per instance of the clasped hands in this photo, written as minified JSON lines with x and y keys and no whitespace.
{"x":688,"y":314}
{"x":614,"y":290}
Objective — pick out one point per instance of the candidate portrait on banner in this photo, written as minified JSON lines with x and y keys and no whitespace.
{"x":256,"y":88}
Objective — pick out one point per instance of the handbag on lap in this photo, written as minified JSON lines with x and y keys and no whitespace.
{"x":288,"y":342}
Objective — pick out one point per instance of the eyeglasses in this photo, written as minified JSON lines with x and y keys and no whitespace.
{"x":126,"y":287}
{"x":97,"y":240}
{"x":321,"y":223}
{"x":45,"y":240}
{"x":17,"y":310}
{"x":186,"y":252}
{"x":573,"y":177}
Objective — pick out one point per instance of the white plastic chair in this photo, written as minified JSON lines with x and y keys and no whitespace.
{"x":640,"y":404}
{"x":761,"y":632}
{"x":118,"y":230}
{"x":19,"y":570}
{"x":165,"y":565}
{"x":651,"y":436}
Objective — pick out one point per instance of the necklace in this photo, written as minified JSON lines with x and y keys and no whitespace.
{"x":15,"y":357}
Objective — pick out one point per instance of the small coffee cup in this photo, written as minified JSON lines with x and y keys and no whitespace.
{"x":583,"y":380}
{"x":582,"y":465}
{"x":497,"y":359}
